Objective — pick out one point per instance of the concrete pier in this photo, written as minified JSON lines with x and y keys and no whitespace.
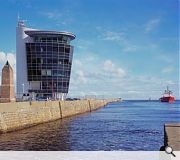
{"x":19,"y":115}
{"x":172,"y":135}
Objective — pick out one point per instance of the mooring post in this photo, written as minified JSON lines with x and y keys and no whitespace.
{"x":60,"y":109}
{"x":89,"y":105}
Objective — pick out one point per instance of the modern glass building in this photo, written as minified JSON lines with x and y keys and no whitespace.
{"x":44,"y":60}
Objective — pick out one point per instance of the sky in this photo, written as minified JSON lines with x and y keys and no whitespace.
{"x":123,"y":48}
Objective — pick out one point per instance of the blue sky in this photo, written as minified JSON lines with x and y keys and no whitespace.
{"x":124,"y":48}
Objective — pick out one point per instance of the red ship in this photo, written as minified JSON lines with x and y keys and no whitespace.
{"x":167,"y":96}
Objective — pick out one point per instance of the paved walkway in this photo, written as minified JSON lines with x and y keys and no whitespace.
{"x":172,"y":135}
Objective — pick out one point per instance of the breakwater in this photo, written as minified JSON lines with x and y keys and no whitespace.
{"x":19,"y":115}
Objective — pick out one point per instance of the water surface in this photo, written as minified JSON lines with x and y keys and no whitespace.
{"x":129,"y":125}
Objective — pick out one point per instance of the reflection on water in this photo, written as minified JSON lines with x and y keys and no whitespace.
{"x":48,"y":136}
{"x":130,"y":125}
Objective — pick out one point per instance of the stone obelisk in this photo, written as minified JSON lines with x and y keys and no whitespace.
{"x":7,"y":85}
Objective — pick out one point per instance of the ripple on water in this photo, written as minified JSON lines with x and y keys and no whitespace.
{"x":119,"y":126}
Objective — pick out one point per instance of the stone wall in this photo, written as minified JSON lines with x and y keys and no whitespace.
{"x":18,"y":115}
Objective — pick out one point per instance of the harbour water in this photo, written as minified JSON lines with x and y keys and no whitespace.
{"x":127,"y":125}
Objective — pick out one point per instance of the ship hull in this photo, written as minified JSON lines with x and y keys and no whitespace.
{"x":167,"y":99}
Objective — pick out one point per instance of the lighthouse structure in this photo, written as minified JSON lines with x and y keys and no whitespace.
{"x":7,"y":84}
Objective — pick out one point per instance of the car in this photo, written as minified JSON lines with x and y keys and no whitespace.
{"x":41,"y":99}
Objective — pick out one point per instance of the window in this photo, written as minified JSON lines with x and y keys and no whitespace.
{"x":66,"y":61}
{"x":55,"y":61}
{"x":33,"y":72}
{"x":60,"y":73}
{"x":38,"y":60}
{"x":49,"y":61}
{"x":64,"y":38}
{"x":28,"y":48}
{"x":33,"y":60}
{"x":41,"y":61}
{"x":49,"y":48}
{"x":48,"y":72}
{"x":43,"y":39}
{"x":55,"y":49}
{"x":60,"y":39}
{"x":64,"y":84}
{"x":38,"y":72}
{"x":49,"y":39}
{"x":61,"y":49}
{"x":29,"y":72}
{"x":41,"y":49}
{"x":68,"y":40}
{"x":55,"y":39}
{"x":67,"y":50}
{"x":43,"y":72}
{"x":32,"y":47}
{"x":60,"y":61}
{"x":55,"y":72}
{"x":38,"y":48}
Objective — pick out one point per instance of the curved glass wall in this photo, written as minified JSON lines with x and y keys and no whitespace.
{"x":49,"y":62}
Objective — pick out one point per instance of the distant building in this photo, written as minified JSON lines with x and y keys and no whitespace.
{"x":43,"y":61}
{"x":7,"y":84}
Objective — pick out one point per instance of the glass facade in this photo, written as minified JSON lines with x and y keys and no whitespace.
{"x":49,"y":60}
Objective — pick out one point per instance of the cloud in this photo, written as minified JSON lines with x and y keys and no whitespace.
{"x":152,"y":24}
{"x":118,"y":37}
{"x":77,"y":62}
{"x":113,"y":70}
{"x":83,"y":44}
{"x":130,"y":48}
{"x":81,"y":76}
{"x":168,"y":69}
{"x":78,"y":78}
{"x":9,"y":56}
{"x":12,"y":60}
{"x":2,"y":57}
{"x":165,"y":58}
{"x":63,"y":17}
{"x":52,"y":14}
{"x":112,"y":36}
{"x":105,"y":78}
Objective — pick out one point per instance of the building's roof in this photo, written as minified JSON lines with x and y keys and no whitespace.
{"x":32,"y":33}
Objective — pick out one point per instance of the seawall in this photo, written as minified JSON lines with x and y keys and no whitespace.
{"x":19,"y":115}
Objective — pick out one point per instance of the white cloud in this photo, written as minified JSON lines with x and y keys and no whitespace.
{"x":83,"y":44}
{"x":130,"y":48}
{"x":165,"y":58}
{"x":118,"y":37}
{"x":81,"y":76}
{"x":77,"y":62}
{"x":2,"y":57}
{"x":105,"y":78}
{"x":78,"y":78}
{"x":113,"y":69}
{"x":112,"y":36}
{"x":52,"y":14}
{"x":63,"y":17}
{"x":9,"y":56}
{"x":168,"y":69}
{"x":133,"y":92}
{"x":152,"y":24}
{"x":12,"y":60}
